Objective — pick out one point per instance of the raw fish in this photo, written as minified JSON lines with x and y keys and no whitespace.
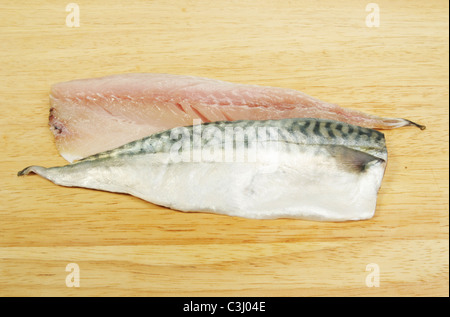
{"x":89,"y":116}
{"x":305,"y":168}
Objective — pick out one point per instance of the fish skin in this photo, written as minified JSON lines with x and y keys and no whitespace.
{"x":308,"y":168}
{"x":93,"y":115}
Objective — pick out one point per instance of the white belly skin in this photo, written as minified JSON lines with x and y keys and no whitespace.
{"x":304,"y":186}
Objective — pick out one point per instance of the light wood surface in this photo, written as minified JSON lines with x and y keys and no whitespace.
{"x":127,"y":247}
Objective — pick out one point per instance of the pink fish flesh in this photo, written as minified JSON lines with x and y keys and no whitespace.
{"x":89,"y":116}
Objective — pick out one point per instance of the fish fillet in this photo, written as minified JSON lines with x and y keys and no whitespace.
{"x":89,"y":116}
{"x":305,"y":168}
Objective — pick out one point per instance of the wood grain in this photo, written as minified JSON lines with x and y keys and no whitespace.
{"x":127,"y":247}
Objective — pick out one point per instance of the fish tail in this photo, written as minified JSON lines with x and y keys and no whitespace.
{"x":362,"y":119}
{"x":393,"y":123}
{"x":420,"y":126}
{"x":81,"y":174}
{"x":57,"y":174}
{"x":31,"y":169}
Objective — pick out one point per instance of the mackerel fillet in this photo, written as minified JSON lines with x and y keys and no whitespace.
{"x":304,"y":168}
{"x":89,"y":116}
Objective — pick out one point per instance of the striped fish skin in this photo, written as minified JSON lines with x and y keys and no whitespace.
{"x":304,"y":168}
{"x":89,"y":116}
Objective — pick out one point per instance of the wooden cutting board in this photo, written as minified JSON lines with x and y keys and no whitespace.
{"x":123,"y":246}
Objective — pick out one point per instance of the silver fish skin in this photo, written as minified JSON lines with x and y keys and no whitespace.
{"x":305,"y":168}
